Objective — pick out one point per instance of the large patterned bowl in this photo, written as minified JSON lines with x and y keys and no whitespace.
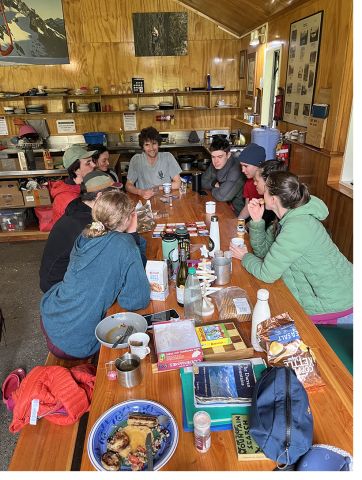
{"x":116,"y":417}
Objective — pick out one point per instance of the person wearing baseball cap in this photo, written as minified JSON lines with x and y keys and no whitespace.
{"x":78,"y":162}
{"x":250,"y":159}
{"x":77,"y":215}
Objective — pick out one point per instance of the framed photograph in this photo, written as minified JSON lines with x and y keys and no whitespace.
{"x":304,"y":42}
{"x":242,"y":64}
{"x":250,"y":79}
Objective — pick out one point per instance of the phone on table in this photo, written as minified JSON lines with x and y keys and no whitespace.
{"x":163,"y":316}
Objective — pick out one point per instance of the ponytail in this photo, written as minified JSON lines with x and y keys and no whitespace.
{"x":286,"y":186}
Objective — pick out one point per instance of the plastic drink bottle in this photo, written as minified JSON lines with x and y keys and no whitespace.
{"x":214,"y":239}
{"x":261,"y":312}
{"x":193,"y":297}
{"x":181,"y":278}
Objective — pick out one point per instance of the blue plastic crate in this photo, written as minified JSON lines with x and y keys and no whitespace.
{"x":93,"y":138}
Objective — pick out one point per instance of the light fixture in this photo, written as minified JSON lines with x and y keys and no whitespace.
{"x":258,"y":36}
{"x":254,"y":38}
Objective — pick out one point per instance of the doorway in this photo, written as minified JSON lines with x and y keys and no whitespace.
{"x":271,"y":82}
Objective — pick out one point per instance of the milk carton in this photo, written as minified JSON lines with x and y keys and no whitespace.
{"x":157,"y":275}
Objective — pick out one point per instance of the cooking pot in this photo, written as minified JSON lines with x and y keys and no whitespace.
{"x":186,"y":161}
{"x":203,"y":164}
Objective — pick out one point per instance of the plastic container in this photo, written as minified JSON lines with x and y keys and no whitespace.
{"x":193,"y":297}
{"x":13,"y":220}
{"x":95,"y":138}
{"x":202,"y":432}
{"x":261,"y":312}
{"x":268,"y":138}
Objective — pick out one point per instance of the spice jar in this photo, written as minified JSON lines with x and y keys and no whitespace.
{"x":202,"y":432}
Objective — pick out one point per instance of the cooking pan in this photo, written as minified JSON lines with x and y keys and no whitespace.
{"x":219,"y":135}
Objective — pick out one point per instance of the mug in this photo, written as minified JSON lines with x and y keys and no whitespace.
{"x":166,"y":188}
{"x":132,"y":106}
{"x":138,"y":344}
{"x":237,"y":242}
{"x":128,"y":368}
{"x":210,"y":207}
{"x":222,"y":267}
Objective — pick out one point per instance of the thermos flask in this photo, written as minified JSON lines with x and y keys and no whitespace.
{"x":196,"y":182}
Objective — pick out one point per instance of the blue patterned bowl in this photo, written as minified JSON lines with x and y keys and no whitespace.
{"x":116,"y":417}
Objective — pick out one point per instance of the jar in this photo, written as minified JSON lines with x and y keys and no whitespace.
{"x":301,"y":137}
{"x":202,"y":432}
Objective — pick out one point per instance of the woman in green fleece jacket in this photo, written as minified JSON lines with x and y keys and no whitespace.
{"x":298,"y":249}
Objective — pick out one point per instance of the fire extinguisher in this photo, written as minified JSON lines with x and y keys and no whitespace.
{"x":278,"y":105}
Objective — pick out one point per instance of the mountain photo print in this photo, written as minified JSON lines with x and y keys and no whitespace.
{"x":32,"y":32}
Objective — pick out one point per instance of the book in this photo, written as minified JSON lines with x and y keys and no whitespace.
{"x":220,"y":417}
{"x":220,"y":383}
{"x":213,"y":335}
{"x":246,"y":447}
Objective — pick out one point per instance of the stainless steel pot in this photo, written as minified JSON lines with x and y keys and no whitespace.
{"x":186,"y":166}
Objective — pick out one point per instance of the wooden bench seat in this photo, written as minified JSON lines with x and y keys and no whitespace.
{"x":46,"y":446}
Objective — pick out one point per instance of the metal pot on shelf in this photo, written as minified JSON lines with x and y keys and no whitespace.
{"x":203,"y":164}
{"x":186,"y":162}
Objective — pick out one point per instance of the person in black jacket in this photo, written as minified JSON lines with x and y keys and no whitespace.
{"x":224,"y":177}
{"x":77,"y":216}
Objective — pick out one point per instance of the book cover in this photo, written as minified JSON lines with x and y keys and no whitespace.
{"x":246,"y":447}
{"x":213,"y":335}
{"x":220,"y":383}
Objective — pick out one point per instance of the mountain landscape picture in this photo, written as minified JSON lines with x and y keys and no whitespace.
{"x":32,"y":32}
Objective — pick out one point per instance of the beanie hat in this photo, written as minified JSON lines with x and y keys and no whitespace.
{"x":74,"y":153}
{"x":253,"y":154}
{"x":98,"y":180}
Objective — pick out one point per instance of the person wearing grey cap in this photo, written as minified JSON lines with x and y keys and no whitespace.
{"x":78,"y":163}
{"x":77,"y":216}
{"x":250,"y":159}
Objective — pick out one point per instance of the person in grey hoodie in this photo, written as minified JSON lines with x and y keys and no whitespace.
{"x":105,"y":266}
{"x":224,"y":177}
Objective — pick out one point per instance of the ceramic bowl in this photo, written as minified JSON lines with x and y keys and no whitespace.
{"x":115,"y":325}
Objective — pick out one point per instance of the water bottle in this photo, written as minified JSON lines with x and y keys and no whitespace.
{"x":214,"y":239}
{"x":261,"y":312}
{"x":193,"y":297}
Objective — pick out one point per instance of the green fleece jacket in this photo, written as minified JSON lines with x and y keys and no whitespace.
{"x":304,"y":256}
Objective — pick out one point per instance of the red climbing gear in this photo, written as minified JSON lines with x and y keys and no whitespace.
{"x":10,"y":47}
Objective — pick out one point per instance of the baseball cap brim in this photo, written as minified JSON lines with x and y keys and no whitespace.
{"x":88,"y":154}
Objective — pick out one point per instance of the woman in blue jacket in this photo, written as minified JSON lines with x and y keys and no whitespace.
{"x":105,"y":265}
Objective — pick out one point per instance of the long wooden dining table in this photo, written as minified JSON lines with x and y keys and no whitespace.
{"x":332,"y":405}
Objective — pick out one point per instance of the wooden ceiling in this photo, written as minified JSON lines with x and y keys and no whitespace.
{"x":239,"y":16}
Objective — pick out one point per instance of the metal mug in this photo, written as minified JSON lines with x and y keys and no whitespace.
{"x":222,"y":267}
{"x":128,"y":368}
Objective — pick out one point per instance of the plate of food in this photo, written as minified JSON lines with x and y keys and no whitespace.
{"x":117,"y":440}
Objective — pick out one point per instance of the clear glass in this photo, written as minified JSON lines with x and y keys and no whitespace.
{"x":193,"y":299}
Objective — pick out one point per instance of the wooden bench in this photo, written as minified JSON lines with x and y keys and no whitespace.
{"x":46,"y":446}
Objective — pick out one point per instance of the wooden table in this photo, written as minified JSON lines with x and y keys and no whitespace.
{"x":331,"y":406}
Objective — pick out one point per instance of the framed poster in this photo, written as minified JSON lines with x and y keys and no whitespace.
{"x":250,"y":78}
{"x":242,"y":64}
{"x":304,"y":42}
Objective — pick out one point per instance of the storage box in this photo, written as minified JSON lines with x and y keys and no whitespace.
{"x":176,"y":344}
{"x":95,"y":138}
{"x":320,"y":110}
{"x":12,"y":220}
{"x":157,"y":275}
{"x":9,"y":164}
{"x":10,"y":195}
{"x":36,"y":198}
{"x":316,"y":131}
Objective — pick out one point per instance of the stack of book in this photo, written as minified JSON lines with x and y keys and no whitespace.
{"x":221,"y":415}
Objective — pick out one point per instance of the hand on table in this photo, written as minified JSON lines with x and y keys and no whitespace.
{"x":147,"y":194}
{"x":238,"y":252}
{"x":256,"y":209}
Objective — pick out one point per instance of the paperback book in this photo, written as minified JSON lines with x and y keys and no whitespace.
{"x":246,"y":447}
{"x":217,"y":383}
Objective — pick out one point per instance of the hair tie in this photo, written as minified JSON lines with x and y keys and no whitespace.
{"x":98,"y":227}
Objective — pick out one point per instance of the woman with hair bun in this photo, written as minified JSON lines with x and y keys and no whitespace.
{"x":297,"y":248}
{"x":105,"y":265}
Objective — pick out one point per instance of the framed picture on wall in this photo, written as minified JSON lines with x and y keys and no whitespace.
{"x":250,"y":74}
{"x":242,"y":64}
{"x":304,"y":42}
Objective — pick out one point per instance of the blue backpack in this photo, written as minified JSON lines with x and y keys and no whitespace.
{"x":280,"y":419}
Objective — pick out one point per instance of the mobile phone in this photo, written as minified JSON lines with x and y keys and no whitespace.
{"x":164,"y":316}
{"x":202,"y":192}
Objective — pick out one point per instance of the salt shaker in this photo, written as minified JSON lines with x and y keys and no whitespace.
{"x":202,"y":432}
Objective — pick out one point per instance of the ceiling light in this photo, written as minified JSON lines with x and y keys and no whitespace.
{"x":254,"y":38}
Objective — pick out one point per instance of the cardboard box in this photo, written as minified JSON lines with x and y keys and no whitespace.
{"x":177,"y":345}
{"x":9,"y":164}
{"x":316,"y":131}
{"x":157,"y":275}
{"x":36,"y":198}
{"x":10,"y":195}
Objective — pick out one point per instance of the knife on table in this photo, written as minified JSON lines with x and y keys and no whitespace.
{"x":149,"y":452}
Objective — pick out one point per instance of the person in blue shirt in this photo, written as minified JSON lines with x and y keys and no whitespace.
{"x":105,"y":266}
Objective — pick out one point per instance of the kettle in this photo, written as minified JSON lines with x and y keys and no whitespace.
{"x":240,"y":139}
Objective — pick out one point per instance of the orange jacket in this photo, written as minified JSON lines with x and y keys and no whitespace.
{"x":62,"y":193}
{"x":57,"y":388}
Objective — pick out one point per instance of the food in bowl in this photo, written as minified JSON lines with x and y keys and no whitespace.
{"x":111,"y":328}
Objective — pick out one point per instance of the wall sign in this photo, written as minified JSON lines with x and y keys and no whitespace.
{"x":66,"y":126}
{"x":304,"y":41}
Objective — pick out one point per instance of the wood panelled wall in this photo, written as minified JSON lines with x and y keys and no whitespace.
{"x":101,"y":50}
